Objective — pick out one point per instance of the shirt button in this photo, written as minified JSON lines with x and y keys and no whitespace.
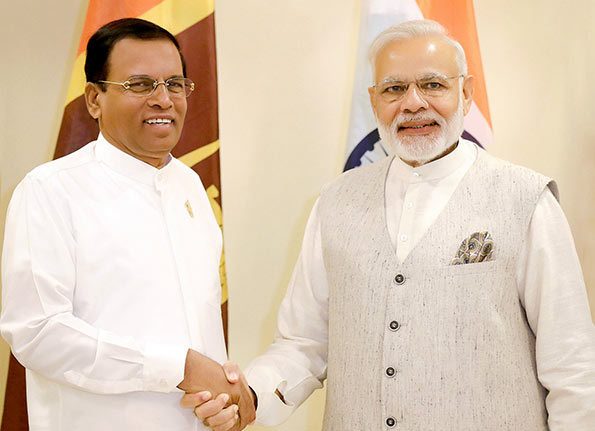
{"x":390,"y":372}
{"x":399,"y":279}
{"x":394,"y":326}
{"x":416,"y":174}
{"x":409,"y":204}
{"x":403,"y":237}
{"x":390,"y":422}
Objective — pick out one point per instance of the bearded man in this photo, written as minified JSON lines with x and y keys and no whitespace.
{"x":438,"y":289}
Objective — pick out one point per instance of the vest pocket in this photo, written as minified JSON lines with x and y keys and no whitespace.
{"x":470,"y":268}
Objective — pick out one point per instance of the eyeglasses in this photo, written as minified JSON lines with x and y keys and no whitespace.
{"x":391,"y":90}
{"x":145,"y":86}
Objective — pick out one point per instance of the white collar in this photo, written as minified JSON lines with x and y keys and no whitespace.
{"x":438,"y":168}
{"x":127,"y":165}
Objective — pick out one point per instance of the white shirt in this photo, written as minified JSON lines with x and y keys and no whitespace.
{"x":110,"y":272}
{"x":549,"y":279}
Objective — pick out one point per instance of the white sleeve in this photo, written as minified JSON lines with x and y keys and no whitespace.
{"x":38,"y":320}
{"x":552,"y":290}
{"x":296,"y":362}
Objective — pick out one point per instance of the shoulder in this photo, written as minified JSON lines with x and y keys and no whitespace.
{"x":495,"y":164}
{"x":504,"y":173}
{"x":51,"y":181}
{"x":50,"y":185}
{"x":187,"y":178}
{"x":184,"y":172}
{"x":76,"y":160}
{"x":358,"y":178}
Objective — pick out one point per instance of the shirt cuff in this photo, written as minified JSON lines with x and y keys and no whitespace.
{"x":163,"y":367}
{"x":271,"y":410}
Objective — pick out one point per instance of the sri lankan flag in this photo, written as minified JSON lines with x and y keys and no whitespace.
{"x":458,"y":17}
{"x":193,"y":24}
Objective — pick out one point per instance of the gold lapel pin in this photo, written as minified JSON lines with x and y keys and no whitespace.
{"x":189,"y":208}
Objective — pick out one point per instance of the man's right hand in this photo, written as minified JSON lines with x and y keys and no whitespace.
{"x":213,"y":411}
{"x":204,"y":374}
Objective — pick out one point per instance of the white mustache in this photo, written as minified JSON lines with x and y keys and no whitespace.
{"x":404,"y":118}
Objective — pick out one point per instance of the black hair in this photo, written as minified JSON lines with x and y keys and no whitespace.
{"x":103,"y":40}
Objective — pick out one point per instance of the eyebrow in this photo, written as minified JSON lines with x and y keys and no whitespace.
{"x":433,"y":75}
{"x":150,"y":77}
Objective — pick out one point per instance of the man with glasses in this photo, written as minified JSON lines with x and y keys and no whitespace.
{"x":438,"y":289}
{"x":110,"y":272}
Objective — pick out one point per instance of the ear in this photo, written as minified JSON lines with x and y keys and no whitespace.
{"x":92,"y":93}
{"x":372,"y":94}
{"x":468,"y":87}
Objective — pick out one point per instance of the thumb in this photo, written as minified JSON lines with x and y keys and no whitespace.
{"x":232,"y":371}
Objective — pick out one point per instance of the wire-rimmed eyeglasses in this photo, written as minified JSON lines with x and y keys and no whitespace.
{"x":145,"y":86}
{"x":391,"y":90}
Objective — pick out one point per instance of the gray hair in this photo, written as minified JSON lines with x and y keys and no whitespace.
{"x":413,"y":29}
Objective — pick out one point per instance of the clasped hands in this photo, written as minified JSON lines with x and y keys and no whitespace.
{"x":226,"y":406}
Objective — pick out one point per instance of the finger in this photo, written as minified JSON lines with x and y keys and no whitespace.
{"x":232,"y":371}
{"x":225,"y":416}
{"x":227,"y":425}
{"x":212,"y":407}
{"x":192,"y":400}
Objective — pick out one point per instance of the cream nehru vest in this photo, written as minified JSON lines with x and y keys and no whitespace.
{"x":422,"y":345}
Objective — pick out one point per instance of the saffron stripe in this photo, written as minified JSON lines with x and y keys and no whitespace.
{"x":458,"y":17}
{"x":100,"y":12}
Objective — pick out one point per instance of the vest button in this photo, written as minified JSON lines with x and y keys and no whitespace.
{"x":390,"y":422}
{"x":399,"y":279}
{"x":394,"y":326}
{"x":390,"y":372}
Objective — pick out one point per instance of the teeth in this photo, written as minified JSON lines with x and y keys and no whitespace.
{"x":158,"y":121}
{"x":420,"y":126}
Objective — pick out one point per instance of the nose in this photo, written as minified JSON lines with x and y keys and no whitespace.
{"x":160,"y":96}
{"x":413,"y":101}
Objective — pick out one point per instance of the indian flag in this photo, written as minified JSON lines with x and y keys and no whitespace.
{"x":458,"y":17}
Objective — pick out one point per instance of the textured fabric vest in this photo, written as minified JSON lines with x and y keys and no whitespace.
{"x":422,"y":345}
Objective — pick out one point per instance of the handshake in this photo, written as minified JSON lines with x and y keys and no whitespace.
{"x":219,"y":395}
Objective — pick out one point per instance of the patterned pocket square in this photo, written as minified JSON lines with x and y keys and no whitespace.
{"x":479,"y":247}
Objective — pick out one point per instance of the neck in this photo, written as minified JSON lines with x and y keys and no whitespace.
{"x":157,"y":160}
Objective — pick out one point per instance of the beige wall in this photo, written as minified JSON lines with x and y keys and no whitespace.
{"x":285,"y":70}
{"x":39,"y":40}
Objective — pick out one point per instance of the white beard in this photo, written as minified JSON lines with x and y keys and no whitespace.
{"x":422,"y":149}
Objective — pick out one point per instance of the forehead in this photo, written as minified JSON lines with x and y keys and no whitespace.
{"x":158,"y":58}
{"x":414,"y":58}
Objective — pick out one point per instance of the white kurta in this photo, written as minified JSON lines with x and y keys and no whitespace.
{"x":110,"y":272}
{"x":549,"y":280}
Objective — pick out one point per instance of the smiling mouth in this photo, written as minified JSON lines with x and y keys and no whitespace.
{"x":417,"y":126}
{"x":158,"y":121}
